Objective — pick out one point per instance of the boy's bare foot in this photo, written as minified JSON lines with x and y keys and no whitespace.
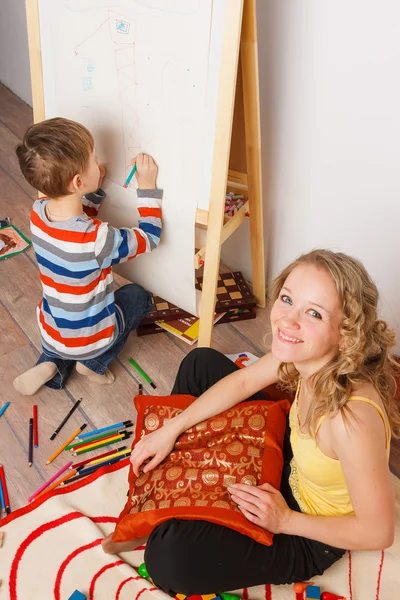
{"x":107,"y":379}
{"x":110,"y":547}
{"x":31,"y":381}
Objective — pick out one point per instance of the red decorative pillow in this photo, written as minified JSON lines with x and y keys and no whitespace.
{"x":241,"y":445}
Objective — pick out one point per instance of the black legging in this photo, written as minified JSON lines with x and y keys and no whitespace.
{"x":197,"y":557}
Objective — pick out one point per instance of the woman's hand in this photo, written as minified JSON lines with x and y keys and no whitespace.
{"x":157,"y":444}
{"x":263,"y":505}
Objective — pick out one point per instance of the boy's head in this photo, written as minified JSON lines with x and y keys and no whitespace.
{"x":57,"y":158}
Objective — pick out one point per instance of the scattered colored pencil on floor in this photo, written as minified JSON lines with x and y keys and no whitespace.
{"x":67,"y":416}
{"x":5,"y":491}
{"x":30,"y":447}
{"x":89,"y":460}
{"x":58,"y":482}
{"x":68,"y":441}
{"x":142,"y":373}
{"x":4,"y":408}
{"x":97,"y":438}
{"x":2,"y":501}
{"x":94,"y":446}
{"x":121,"y":454}
{"x":45,"y":485}
{"x":35,"y":427}
{"x":109,"y":428}
{"x":93,"y":469}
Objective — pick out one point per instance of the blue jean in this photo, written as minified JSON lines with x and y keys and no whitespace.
{"x":133,"y":303}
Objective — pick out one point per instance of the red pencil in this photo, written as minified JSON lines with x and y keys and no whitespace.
{"x":83,"y":462}
{"x":5,"y":492}
{"x":35,"y":427}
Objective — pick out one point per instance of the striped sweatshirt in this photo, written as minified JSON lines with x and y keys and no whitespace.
{"x":76,"y":316}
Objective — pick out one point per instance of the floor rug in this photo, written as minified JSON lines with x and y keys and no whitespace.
{"x":52,"y":547}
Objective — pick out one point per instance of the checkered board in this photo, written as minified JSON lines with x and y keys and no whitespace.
{"x":232,"y":292}
{"x":163,"y":310}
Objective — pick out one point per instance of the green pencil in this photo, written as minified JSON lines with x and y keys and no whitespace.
{"x":107,"y":443}
{"x":142,"y":373}
{"x":101,"y":436}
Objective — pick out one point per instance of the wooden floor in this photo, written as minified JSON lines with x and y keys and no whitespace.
{"x":20,"y":291}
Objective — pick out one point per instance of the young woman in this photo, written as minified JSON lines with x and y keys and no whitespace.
{"x":336,"y":494}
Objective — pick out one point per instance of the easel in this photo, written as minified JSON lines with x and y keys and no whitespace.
{"x":238,"y":115}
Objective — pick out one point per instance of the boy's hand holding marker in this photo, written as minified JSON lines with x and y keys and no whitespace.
{"x":145,"y":170}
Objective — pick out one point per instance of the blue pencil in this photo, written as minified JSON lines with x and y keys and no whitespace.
{"x":131,"y":174}
{"x":106,"y":462}
{"x":116,"y":426}
{"x":90,"y":470}
{"x":3,"y":504}
{"x":3,"y":410}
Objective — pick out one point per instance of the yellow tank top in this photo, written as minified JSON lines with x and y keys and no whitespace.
{"x":317,"y":481}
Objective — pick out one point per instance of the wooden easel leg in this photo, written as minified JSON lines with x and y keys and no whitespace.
{"x":251,"y":106}
{"x":35,"y":58}
{"x":223,"y":133}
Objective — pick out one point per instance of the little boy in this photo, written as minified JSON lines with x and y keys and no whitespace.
{"x":81,"y":319}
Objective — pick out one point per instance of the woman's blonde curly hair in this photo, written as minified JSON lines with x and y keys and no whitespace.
{"x":365,"y":341}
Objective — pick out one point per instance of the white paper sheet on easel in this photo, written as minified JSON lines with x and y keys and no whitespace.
{"x":140,"y":76}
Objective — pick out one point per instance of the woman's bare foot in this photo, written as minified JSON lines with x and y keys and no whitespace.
{"x":110,"y":547}
{"x":107,"y":379}
{"x":31,"y":381}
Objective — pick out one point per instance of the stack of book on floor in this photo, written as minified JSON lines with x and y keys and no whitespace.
{"x":235,"y":302}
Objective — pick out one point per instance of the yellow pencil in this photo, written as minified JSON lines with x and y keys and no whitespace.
{"x":109,"y":440}
{"x":65,"y":444}
{"x":98,"y":460}
{"x":57,"y":483}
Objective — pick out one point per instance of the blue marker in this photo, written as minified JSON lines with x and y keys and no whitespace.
{"x":131,"y":174}
{"x":3,"y":410}
{"x":116,"y":426}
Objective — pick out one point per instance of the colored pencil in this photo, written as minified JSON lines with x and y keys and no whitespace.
{"x":94,"y":440}
{"x":68,"y":441}
{"x":67,"y":416}
{"x":140,"y":389}
{"x":105,"y":463}
{"x":4,"y":408}
{"x":45,"y":485}
{"x":109,"y":440}
{"x":128,"y":423}
{"x":142,"y":373}
{"x":115,"y":455}
{"x":2,"y":501}
{"x":30,"y":448}
{"x":35,"y":427}
{"x":58,"y":482}
{"x":94,"y":447}
{"x":5,"y":491}
{"x":89,"y":460}
{"x":92,"y":469}
{"x":131,"y":174}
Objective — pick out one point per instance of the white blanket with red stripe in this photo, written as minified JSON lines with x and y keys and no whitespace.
{"x":52,"y":548}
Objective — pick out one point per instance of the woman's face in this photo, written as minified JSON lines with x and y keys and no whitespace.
{"x":305,"y":319}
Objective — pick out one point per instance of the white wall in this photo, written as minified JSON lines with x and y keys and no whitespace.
{"x":330,"y":102}
{"x":14,"y":56}
{"x":330,"y":120}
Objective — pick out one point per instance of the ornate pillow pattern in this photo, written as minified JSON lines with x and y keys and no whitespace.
{"x":241,"y":445}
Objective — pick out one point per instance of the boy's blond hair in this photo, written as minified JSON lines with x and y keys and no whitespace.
{"x":52,"y":153}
